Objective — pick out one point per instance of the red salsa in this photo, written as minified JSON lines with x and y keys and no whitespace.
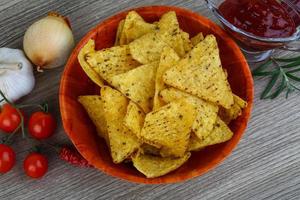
{"x":264,"y":18}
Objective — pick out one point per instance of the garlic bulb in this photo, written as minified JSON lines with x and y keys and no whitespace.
{"x":49,"y":41}
{"x":16,"y":76}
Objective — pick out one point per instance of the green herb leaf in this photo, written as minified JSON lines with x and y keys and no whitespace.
{"x":287,"y":59}
{"x":270,"y":85}
{"x":284,"y":72}
{"x":265,"y":73}
{"x":295,"y":87}
{"x":295,"y":78}
{"x":261,"y":67}
{"x":293,"y":71}
{"x":293,"y":64}
{"x":289,"y":90}
{"x":279,"y":90}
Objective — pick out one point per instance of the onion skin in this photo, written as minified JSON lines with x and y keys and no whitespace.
{"x":48,"y":42}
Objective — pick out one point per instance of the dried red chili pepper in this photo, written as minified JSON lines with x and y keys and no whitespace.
{"x":72,"y":156}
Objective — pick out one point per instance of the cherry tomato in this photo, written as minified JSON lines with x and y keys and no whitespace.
{"x":10,"y":118}
{"x":41,"y":125}
{"x":35,"y":165}
{"x":7,"y":158}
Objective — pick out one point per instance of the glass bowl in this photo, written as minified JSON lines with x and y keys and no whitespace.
{"x":258,"y":48}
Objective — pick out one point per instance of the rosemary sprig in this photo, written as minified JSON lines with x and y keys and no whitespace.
{"x":283,"y":76}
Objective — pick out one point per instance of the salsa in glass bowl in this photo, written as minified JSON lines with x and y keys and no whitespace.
{"x":260,"y":26}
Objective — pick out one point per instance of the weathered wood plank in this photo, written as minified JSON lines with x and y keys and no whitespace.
{"x":265,"y":165}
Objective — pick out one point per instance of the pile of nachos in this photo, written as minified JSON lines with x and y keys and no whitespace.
{"x":163,"y":94}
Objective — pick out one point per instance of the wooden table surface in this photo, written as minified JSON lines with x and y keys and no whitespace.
{"x":265,"y":165}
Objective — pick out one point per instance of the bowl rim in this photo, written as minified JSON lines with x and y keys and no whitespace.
{"x":160,"y":180}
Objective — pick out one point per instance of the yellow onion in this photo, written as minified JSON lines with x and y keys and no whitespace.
{"x":49,"y":41}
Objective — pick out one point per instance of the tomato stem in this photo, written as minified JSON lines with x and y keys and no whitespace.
{"x":30,"y":105}
{"x":45,"y":107}
{"x":4,"y":98}
{"x":7,"y":140}
{"x":36,"y":148}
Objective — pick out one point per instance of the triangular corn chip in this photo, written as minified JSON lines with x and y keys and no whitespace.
{"x":112,"y":61}
{"x":187,"y":43}
{"x":138,"y":85}
{"x":147,"y":49}
{"x":227,"y":115}
{"x":195,"y":143}
{"x":154,"y":166}
{"x":134,"y":118}
{"x":121,"y":140}
{"x":94,"y":107}
{"x":168,"y":22}
{"x":167,"y":60}
{"x":90,"y":72}
{"x":206,"y":112}
{"x":197,"y":39}
{"x":201,"y":74}
{"x":220,"y":133}
{"x":149,"y":149}
{"x":134,"y":27}
{"x":169,"y":127}
{"x":170,"y":33}
{"x":119,"y":32}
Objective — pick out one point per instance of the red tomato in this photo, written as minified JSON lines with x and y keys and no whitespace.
{"x":7,"y":158}
{"x":41,"y":125}
{"x":10,"y":118}
{"x":35,"y":165}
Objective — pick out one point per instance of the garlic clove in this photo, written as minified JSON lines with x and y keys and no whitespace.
{"x":16,"y":74}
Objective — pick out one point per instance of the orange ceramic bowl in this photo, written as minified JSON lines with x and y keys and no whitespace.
{"x":82,"y":132}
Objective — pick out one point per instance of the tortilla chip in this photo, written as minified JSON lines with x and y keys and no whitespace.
{"x":147,"y":49}
{"x":90,"y":72}
{"x":220,"y":133}
{"x":170,"y":33}
{"x":206,"y":112}
{"x":134,"y":118}
{"x":168,"y":22}
{"x":122,"y":141}
{"x":167,"y":60}
{"x":149,"y":149}
{"x":197,"y":39}
{"x":227,"y":115}
{"x":201,"y":74}
{"x":195,"y":143}
{"x":155,"y":166}
{"x":187,"y":44}
{"x":94,"y":107}
{"x":134,"y":28}
{"x":169,"y":127}
{"x":138,"y":85}
{"x":239,"y":101}
{"x":119,"y":32}
{"x":113,"y":61}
